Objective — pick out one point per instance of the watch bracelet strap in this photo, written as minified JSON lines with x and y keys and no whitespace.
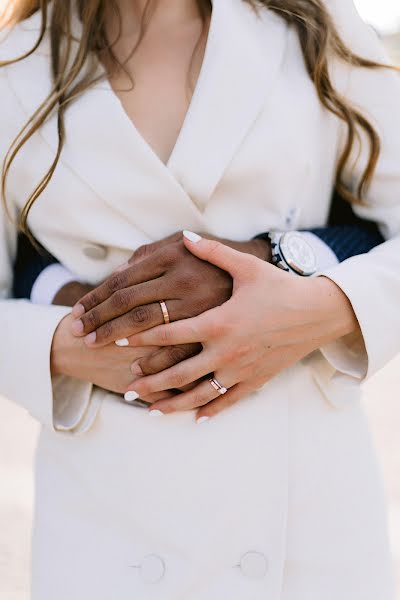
{"x":277,"y":258}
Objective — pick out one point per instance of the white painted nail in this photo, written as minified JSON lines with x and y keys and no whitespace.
{"x":192,"y":237}
{"x":156,"y":413}
{"x":202,"y":420}
{"x":131,"y":396}
{"x":123,"y":342}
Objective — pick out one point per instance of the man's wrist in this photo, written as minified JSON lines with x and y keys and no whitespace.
{"x":262,"y":249}
{"x":71,"y":292}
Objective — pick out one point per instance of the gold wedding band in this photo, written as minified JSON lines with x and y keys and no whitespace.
{"x":165,"y":312}
{"x":217,"y":386}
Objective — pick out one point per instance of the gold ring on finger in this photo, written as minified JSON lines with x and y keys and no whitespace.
{"x":165,"y":312}
{"x":217,"y":386}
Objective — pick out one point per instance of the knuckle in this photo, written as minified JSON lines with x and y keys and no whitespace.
{"x":120,"y":300}
{"x":143,"y":388}
{"x":187,"y":281}
{"x":143,"y":251}
{"x":214,"y":247}
{"x":149,"y":367}
{"x":105,"y":332}
{"x":91,"y":320}
{"x":164,"y":336}
{"x":217,"y":328}
{"x":241,"y":350}
{"x":92,"y":299}
{"x":140,"y":315}
{"x":170,"y":256}
{"x":116,"y":282}
{"x":178,"y":380}
{"x":196,"y":399}
{"x":176,"y":354}
{"x":225,"y":328}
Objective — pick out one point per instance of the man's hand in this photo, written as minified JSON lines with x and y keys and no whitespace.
{"x":128,"y":302}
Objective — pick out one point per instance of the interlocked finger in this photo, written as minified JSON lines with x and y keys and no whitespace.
{"x":201,"y":395}
{"x":118,"y":304}
{"x":134,"y":321}
{"x":176,"y":377}
{"x":165,"y":358}
{"x":129,"y":278}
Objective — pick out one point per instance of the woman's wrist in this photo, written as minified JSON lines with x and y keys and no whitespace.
{"x":61,"y":356}
{"x":339,"y":318}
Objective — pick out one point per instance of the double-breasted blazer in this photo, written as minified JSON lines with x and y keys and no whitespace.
{"x":280,"y":496}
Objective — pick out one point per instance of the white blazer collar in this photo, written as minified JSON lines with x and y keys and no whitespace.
{"x":242,"y":61}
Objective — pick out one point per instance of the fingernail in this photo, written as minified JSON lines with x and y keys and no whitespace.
{"x":78,"y":311}
{"x":192,"y":237}
{"x":122,"y":342}
{"x":156,"y":413}
{"x":91,"y":338}
{"x":202,"y":420}
{"x":77,"y":327}
{"x":131,"y":396}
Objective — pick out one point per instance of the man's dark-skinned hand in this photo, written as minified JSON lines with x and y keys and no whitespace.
{"x":128,"y":301}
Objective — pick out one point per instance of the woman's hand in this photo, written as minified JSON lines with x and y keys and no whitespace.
{"x":128,"y":302}
{"x":109,"y":367}
{"x":273,"y":320}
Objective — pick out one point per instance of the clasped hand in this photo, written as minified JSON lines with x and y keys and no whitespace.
{"x":253,"y":322}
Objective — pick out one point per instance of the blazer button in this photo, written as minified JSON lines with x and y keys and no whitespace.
{"x":95,"y":252}
{"x":254,"y":565}
{"x":152,"y":568}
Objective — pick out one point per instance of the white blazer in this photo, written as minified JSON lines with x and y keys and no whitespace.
{"x":280,"y":496}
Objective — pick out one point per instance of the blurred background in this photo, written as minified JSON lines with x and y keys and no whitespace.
{"x":384,"y":16}
{"x":18,"y":431}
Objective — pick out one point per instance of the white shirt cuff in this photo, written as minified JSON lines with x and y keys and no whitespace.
{"x":49,"y":282}
{"x":326,"y":258}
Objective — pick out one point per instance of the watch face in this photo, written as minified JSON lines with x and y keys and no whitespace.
{"x":298,"y":253}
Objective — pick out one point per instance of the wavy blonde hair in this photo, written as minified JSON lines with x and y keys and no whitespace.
{"x":319,"y":40}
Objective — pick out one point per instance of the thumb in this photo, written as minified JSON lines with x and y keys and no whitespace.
{"x":234,"y":262}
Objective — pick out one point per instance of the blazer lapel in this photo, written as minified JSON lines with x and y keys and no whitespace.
{"x":103,"y":148}
{"x":242,"y":62}
{"x":243,"y":57}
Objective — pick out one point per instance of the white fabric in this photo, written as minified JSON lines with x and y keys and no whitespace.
{"x":49,"y":282}
{"x":289,"y":473}
{"x":326,"y":258}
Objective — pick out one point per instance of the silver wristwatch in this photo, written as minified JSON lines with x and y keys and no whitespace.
{"x":291,"y":252}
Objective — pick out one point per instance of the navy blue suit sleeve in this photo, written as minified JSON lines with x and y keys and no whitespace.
{"x":349,"y":240}
{"x":29,"y":263}
{"x":347,"y":235}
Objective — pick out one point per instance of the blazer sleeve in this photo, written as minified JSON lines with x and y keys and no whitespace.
{"x":27,"y":330}
{"x":370,"y":281}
